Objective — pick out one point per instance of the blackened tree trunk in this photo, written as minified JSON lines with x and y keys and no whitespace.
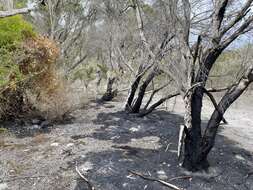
{"x":110,"y":93}
{"x":193,"y":104}
{"x":196,"y":146}
{"x":228,"y":99}
{"x":133,"y":89}
{"x":192,"y":142}
{"x":137,"y":105}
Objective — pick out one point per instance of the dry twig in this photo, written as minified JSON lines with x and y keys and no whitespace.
{"x":85,"y":179}
{"x":157,"y":180}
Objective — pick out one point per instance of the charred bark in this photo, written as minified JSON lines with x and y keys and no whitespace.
{"x":110,"y":93}
{"x":156,"y":104}
{"x":192,"y":142}
{"x":153,"y":94}
{"x":132,"y":92}
{"x":137,"y":105}
{"x":197,"y":147}
{"x":228,"y":99}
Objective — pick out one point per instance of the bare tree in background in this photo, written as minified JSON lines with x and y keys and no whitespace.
{"x":155,"y":44}
{"x":8,"y":6}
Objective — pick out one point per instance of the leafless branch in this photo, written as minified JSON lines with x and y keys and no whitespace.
{"x":214,"y":103}
{"x":156,"y":180}
{"x":85,"y":179}
{"x":14,"y":12}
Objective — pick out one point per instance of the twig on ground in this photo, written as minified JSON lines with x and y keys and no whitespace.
{"x":167,"y":147}
{"x":180,"y":177}
{"x":157,"y":180}
{"x":85,"y":179}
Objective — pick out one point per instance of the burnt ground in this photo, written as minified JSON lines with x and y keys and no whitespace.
{"x":105,"y":143}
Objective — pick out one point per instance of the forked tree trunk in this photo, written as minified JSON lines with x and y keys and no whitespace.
{"x":196,"y":147}
{"x":136,"y":107}
{"x":193,"y":104}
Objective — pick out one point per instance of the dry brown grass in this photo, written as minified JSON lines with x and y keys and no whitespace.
{"x":43,"y":90}
{"x":49,"y":92}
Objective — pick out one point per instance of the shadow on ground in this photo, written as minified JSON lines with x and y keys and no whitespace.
{"x":148,"y":145}
{"x":105,"y":144}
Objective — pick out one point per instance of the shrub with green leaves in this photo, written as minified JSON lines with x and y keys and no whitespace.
{"x":13,"y":31}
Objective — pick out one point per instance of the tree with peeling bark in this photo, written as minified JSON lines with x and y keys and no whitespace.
{"x":225,"y":22}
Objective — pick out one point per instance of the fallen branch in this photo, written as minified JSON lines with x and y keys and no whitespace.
{"x":180,"y":177}
{"x":85,"y":179}
{"x":14,"y":12}
{"x":156,"y":180}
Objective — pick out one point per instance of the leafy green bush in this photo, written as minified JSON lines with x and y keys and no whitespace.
{"x":13,"y":30}
{"x":29,"y":82}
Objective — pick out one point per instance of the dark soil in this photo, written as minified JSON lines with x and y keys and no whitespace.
{"x":105,"y":143}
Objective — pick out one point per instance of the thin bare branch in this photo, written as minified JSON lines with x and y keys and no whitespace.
{"x":156,"y":180}
{"x":85,"y":179}
{"x":14,"y":12}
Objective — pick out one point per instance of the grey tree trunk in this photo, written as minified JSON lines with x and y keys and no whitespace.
{"x":7,"y":4}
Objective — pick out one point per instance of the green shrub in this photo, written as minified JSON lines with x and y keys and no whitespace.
{"x":14,"y":30}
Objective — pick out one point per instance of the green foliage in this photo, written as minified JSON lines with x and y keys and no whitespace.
{"x":8,"y":67}
{"x":228,"y":56}
{"x":3,"y":130}
{"x":227,"y":68}
{"x":86,"y":73}
{"x":147,"y":9}
{"x":13,"y":30}
{"x":20,"y":3}
{"x":103,"y":69}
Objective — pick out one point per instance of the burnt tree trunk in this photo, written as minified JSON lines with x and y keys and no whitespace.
{"x":110,"y":93}
{"x":193,"y":104}
{"x":196,"y":146}
{"x":133,"y":89}
{"x":228,"y":99}
{"x":136,"y":107}
{"x":192,"y":141}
